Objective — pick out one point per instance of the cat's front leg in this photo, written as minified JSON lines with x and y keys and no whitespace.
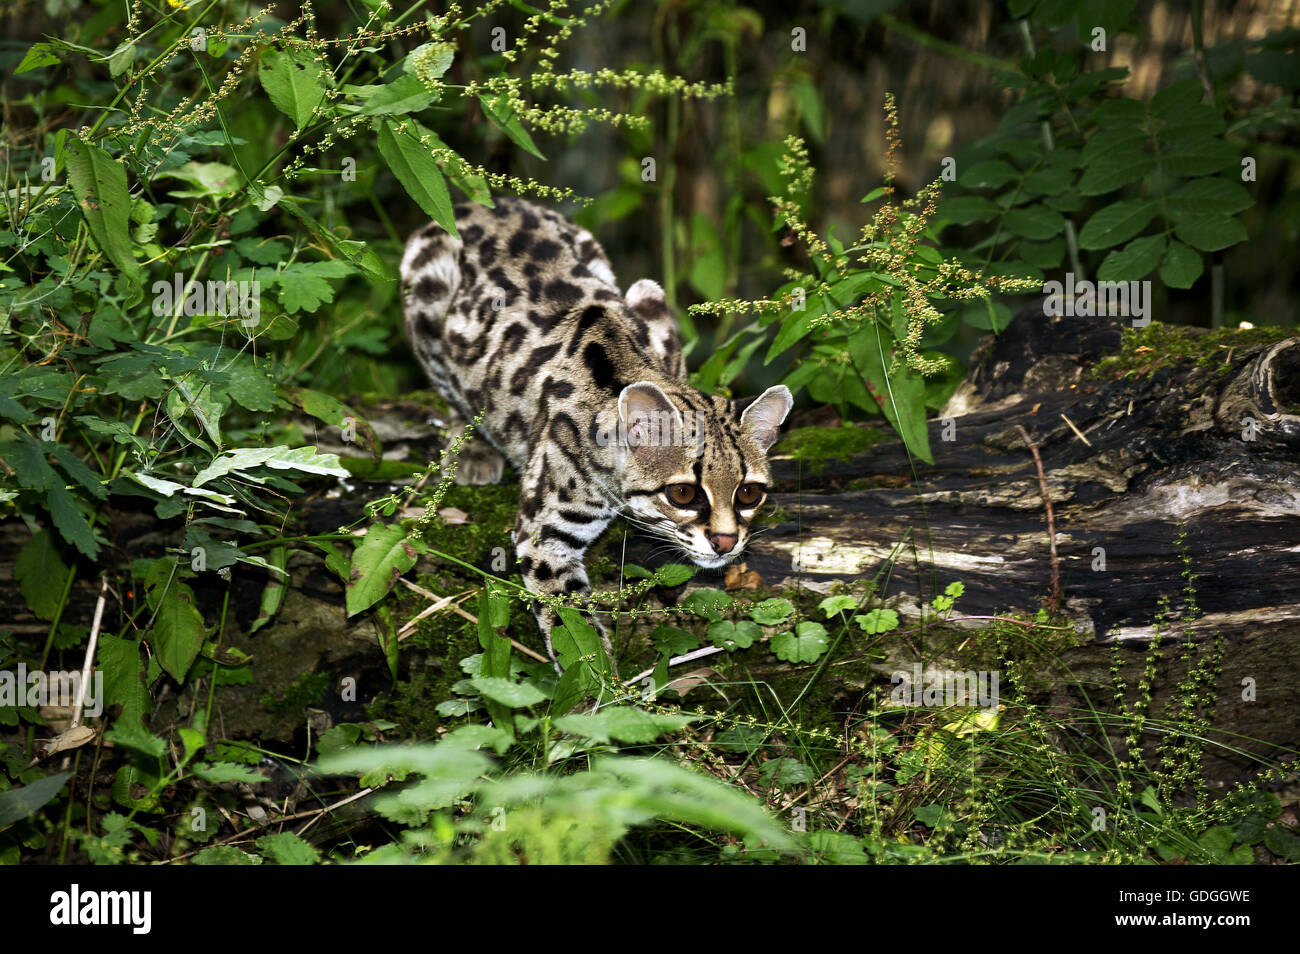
{"x":551,"y":541}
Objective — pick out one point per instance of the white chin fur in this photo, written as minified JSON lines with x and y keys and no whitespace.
{"x":712,"y":561}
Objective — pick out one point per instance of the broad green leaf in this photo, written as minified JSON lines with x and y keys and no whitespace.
{"x":989,"y":174}
{"x":119,"y":660}
{"x":516,"y":695}
{"x":274,"y":592}
{"x":1197,"y":155}
{"x":208,"y":180}
{"x":406,"y":94}
{"x":1209,"y":233}
{"x":99,"y":183}
{"x":304,"y":459}
{"x":833,"y":605}
{"x":220,"y":772}
{"x":294,"y":81}
{"x":177,"y":634}
{"x":877,"y":621}
{"x":1134,"y":261}
{"x":732,"y":636}
{"x":1034,"y":222}
{"x":286,"y":848}
{"x":771,"y":612}
{"x":380,"y":559}
{"x":1113,"y":170}
{"x":623,"y":724}
{"x":37,"y":56}
{"x":673,"y":574}
{"x":1116,"y":223}
{"x":41,"y":575}
{"x":415,"y":168}
{"x":708,"y":603}
{"x":503,"y":117}
{"x":1181,"y":267}
{"x":71,"y":522}
{"x":303,"y":285}
{"x":1208,"y":197}
{"x":19,"y":802}
{"x":967,"y":209}
{"x":806,"y":644}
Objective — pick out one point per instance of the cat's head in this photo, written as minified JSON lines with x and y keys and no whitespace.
{"x":693,"y":468}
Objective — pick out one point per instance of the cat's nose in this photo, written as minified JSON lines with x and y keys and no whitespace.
{"x":722,"y":542}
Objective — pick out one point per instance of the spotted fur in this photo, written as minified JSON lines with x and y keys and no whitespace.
{"x":583,"y":390}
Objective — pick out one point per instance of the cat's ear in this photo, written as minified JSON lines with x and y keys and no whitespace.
{"x":762,"y":418}
{"x":646,"y":417}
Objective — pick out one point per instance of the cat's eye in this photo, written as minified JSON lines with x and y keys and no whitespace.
{"x":681,"y":495}
{"x":747,"y":495}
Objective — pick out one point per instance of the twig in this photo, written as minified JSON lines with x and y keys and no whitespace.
{"x":427,"y":594}
{"x":90,"y":651}
{"x":243,"y":835}
{"x":1055,"y":597}
{"x":677,"y":661}
{"x":1077,"y":432}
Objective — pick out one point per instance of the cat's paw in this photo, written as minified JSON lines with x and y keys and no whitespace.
{"x":478,"y":466}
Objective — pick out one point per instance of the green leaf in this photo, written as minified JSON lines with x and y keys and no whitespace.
{"x":806,"y":644}
{"x":967,"y":209}
{"x":225,"y":855}
{"x":673,"y":574}
{"x":623,"y":724}
{"x":708,"y":603}
{"x":177,"y":634}
{"x":71,"y":522}
{"x":1113,"y":170}
{"x":1034,"y":222}
{"x":1134,"y":261}
{"x":406,"y":94}
{"x":19,"y":802}
{"x":672,"y":641}
{"x":119,"y":660}
{"x":415,"y":168}
{"x":1116,"y":223}
{"x":516,"y":695}
{"x":303,"y":285}
{"x":989,"y":174}
{"x":877,"y":621}
{"x":304,"y":459}
{"x":833,"y":605}
{"x":286,"y":848}
{"x":274,"y":592}
{"x":41,"y":575}
{"x":1208,"y":197}
{"x":99,"y":183}
{"x":1181,"y":267}
{"x":771,"y":612}
{"x":220,"y":772}
{"x":1209,"y":233}
{"x":1195,"y":155}
{"x":377,"y":563}
{"x":294,"y":80}
{"x":37,"y":56}
{"x":503,"y":117}
{"x":732,"y":636}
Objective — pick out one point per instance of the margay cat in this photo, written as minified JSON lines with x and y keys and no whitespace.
{"x":584,"y":391}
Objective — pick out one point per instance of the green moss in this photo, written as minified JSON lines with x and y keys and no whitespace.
{"x":819,"y":444}
{"x":305,"y":691}
{"x":491,"y":510}
{"x":1144,"y":351}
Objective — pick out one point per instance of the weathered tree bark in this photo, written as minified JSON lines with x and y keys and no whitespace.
{"x":1130,"y":466}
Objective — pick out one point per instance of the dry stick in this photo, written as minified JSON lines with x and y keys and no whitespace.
{"x":427,"y":594}
{"x":1078,"y":433}
{"x":1051,"y":520}
{"x":90,"y":651}
{"x":244,"y":835}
